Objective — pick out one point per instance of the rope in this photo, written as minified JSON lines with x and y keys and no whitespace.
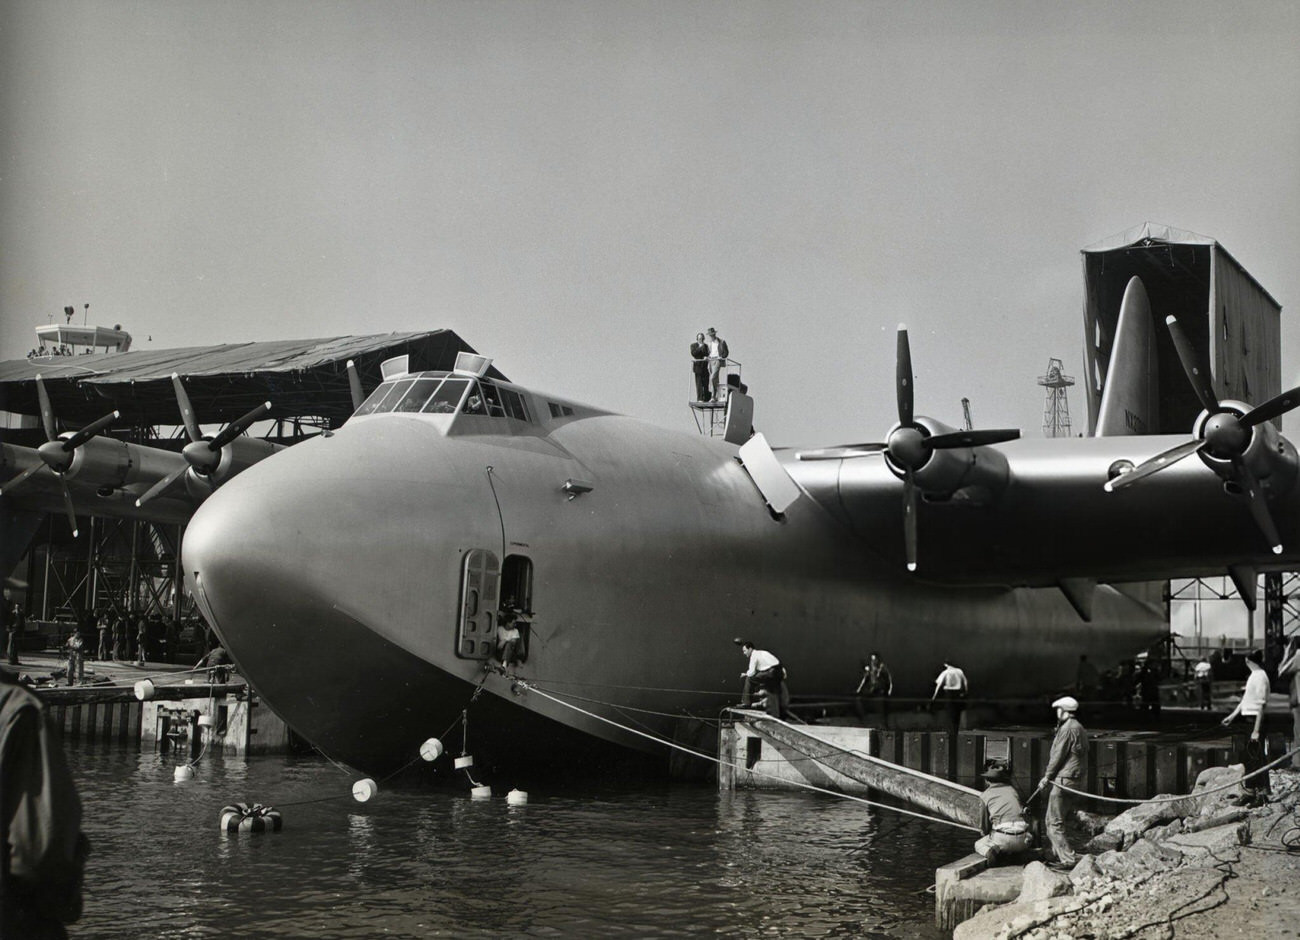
{"x":1176,"y":799}
{"x":712,"y":759}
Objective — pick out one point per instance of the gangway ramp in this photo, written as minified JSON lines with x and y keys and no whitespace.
{"x":819,"y":758}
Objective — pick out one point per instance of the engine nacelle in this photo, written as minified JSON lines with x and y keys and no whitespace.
{"x":975,"y":472}
{"x":107,"y":462}
{"x":1271,"y":458}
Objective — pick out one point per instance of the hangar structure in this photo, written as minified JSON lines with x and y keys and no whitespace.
{"x":1229,"y":316}
{"x":123,"y":565}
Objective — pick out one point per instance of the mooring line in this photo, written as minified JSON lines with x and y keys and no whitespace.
{"x":1177,"y":799}
{"x":711,"y":758}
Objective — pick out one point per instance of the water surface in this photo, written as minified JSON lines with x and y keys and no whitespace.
{"x":582,"y":858}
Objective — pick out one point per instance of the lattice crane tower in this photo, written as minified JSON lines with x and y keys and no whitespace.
{"x":1056,"y":411}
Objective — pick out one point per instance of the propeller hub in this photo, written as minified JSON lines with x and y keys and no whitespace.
{"x":201,"y":457}
{"x":907,"y":447}
{"x":1225,"y":435}
{"x":55,"y":457}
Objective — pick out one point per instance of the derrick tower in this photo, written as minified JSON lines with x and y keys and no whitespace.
{"x":1056,"y":410}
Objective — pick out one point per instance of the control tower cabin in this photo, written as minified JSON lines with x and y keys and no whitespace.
{"x":1229,"y":317}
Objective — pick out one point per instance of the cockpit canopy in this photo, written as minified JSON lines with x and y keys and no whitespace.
{"x":444,"y":393}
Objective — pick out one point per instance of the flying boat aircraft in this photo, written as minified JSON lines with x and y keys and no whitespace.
{"x":359,"y":579}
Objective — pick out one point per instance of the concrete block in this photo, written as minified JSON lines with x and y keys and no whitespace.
{"x":1012,"y":920}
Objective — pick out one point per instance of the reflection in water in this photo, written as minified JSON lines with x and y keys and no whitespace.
{"x":627,"y":859}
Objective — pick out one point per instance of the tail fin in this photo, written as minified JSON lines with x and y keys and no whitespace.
{"x":1129,"y":402}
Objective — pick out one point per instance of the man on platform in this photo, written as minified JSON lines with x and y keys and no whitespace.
{"x":765,"y":672}
{"x":700,"y":367}
{"x":718,"y":354}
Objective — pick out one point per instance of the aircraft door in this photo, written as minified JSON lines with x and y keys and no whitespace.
{"x":480,"y":587}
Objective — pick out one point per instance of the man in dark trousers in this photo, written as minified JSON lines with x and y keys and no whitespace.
{"x":1067,"y":766}
{"x":40,"y":813}
{"x":875,"y":687}
{"x":765,"y":672}
{"x":700,"y":367}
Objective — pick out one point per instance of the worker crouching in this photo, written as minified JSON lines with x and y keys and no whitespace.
{"x":1002,"y":816}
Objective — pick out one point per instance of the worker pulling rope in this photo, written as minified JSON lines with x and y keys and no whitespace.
{"x":709,"y":757}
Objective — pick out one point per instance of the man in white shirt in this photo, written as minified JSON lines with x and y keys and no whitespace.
{"x":951,"y":684}
{"x":765,"y":672}
{"x":1204,"y":674}
{"x":1254,"y":701}
{"x":718,"y":354}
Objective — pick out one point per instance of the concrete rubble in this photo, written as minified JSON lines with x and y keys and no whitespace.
{"x":1204,"y":862}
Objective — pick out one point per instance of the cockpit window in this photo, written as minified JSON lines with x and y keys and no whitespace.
{"x":415,"y":396}
{"x":446,"y":398}
{"x":387,"y":392}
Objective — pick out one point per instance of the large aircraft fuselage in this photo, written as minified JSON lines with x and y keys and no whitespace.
{"x":334,"y":572}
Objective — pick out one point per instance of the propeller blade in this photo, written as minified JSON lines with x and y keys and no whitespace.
{"x":47,"y":411}
{"x":18,"y":480}
{"x":1278,"y":405}
{"x":67,"y":506}
{"x":1154,"y":464}
{"x":904,"y":377}
{"x":236,"y":427}
{"x":972,"y":438}
{"x":161,"y":485}
{"x":1191,"y":365}
{"x":909,"y":519}
{"x":187,"y":410}
{"x":1258,"y":505}
{"x":354,"y":385}
{"x":90,"y":431}
{"x":841,"y":453}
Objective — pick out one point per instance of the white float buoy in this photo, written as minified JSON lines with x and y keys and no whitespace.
{"x":206,"y":721}
{"x":431,"y":749}
{"x":144,"y":690}
{"x":481,"y":793}
{"x":517,"y":797}
{"x":465,"y":760}
{"x":364,"y":789}
{"x":182,"y":773}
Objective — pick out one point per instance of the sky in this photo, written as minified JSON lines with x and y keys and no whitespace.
{"x":578,"y":188}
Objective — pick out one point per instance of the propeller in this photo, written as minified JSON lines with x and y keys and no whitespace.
{"x":58,"y":453}
{"x":1225,"y":435}
{"x":354,"y":386}
{"x":910,"y":444}
{"x":202,"y":455}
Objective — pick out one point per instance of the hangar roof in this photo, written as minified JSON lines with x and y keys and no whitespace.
{"x":299,"y":377}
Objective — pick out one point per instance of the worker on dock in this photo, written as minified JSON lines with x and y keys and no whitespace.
{"x":765,"y":672}
{"x":1253,"y":704}
{"x":17,"y":623}
{"x":44,"y":848}
{"x":876,"y":686}
{"x":1066,"y":766}
{"x":1002,"y":817}
{"x":1203,"y":672}
{"x":1289,"y":669}
{"x":952,"y":685}
{"x":76,"y":662}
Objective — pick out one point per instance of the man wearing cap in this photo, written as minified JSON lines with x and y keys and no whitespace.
{"x":1066,"y":766}
{"x":1002,"y":818}
{"x":765,"y":672}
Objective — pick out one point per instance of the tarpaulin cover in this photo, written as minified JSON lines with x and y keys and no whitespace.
{"x":1230,"y":318}
{"x":299,"y":377}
